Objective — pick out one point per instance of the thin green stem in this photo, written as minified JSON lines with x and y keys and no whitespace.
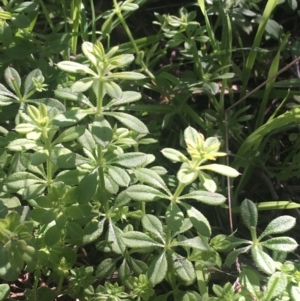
{"x":75,"y":16}
{"x":178,"y":191}
{"x":100,"y":96}
{"x":93,"y":21}
{"x":104,"y":198}
{"x":46,"y":13}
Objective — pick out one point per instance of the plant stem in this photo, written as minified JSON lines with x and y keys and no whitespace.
{"x":178,"y":191}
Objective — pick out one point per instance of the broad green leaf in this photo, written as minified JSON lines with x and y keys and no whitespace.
{"x":130,"y":160}
{"x":158,"y":269}
{"x":129,"y":121}
{"x":276,"y":285}
{"x":11,"y":75}
{"x":22,"y":144}
{"x":249,"y":214}
{"x":174,"y":155}
{"x":138,"y":266}
{"x":184,"y":270}
{"x":232,"y":256}
{"x":114,"y":239}
{"x":263,"y":260}
{"x":74,"y":67}
{"x":221,"y":169}
{"x":283,"y":244}
{"x":69,"y":134}
{"x":52,"y":236}
{"x":151,"y":178}
{"x":20,"y":21}
{"x":119,"y":175}
{"x":195,"y":243}
{"x":206,"y":197}
{"x":101,"y":131}
{"x":87,"y":141}
{"x":198,"y":220}
{"x":127,"y":75}
{"x":92,"y":231}
{"x":75,"y":233}
{"x":69,"y":117}
{"x":82,"y":85}
{"x":279,"y":225}
{"x":19,"y":180}
{"x":174,"y":217}
{"x":121,"y":60}
{"x":191,"y":296}
{"x":68,"y":94}
{"x":87,"y":187}
{"x":153,"y":225}
{"x":135,"y":239}
{"x":143,"y":193}
{"x":33,"y":191}
{"x":69,"y":177}
{"x":106,"y":268}
{"x":39,"y":157}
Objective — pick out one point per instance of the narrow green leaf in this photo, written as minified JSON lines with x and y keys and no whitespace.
{"x":221,"y":169}
{"x":281,"y":244}
{"x":143,"y":193}
{"x":150,"y":177}
{"x":158,"y":269}
{"x":28,"y":84}
{"x":249,"y":279}
{"x":198,"y":220}
{"x":87,"y":187}
{"x":153,"y":225}
{"x":69,"y":117}
{"x":279,"y":225}
{"x":119,"y":175}
{"x":22,"y":144}
{"x":276,"y":285}
{"x":195,"y":243}
{"x":184,"y":270}
{"x":102,"y":131}
{"x":113,"y":90}
{"x":263,"y":260}
{"x":129,"y":75}
{"x":206,"y":197}
{"x":114,"y":239}
{"x":19,"y":180}
{"x":232,"y":256}
{"x":129,"y":121}
{"x":74,"y":67}
{"x":249,"y":213}
{"x":130,"y":160}
{"x":135,"y":239}
{"x":92,"y":231}
{"x":11,"y":75}
{"x":83,"y":85}
{"x":121,"y":60}
{"x":106,"y":268}
{"x":174,"y":155}
{"x":127,"y":97}
{"x":69,"y":135}
{"x":87,"y":141}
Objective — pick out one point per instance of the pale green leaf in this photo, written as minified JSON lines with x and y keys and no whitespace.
{"x":153,"y":225}
{"x":158,"y":269}
{"x":74,"y":67}
{"x":249,"y":214}
{"x":263,"y":260}
{"x":174,"y":155}
{"x":135,"y":239}
{"x":206,"y":197}
{"x":143,"y":193}
{"x":221,"y":169}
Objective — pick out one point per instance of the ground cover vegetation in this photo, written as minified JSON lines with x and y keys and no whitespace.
{"x":149,"y":150}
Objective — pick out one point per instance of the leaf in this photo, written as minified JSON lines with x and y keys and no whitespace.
{"x":143,"y":193}
{"x":119,"y":175}
{"x":52,"y":236}
{"x":126,"y":75}
{"x":195,"y":243}
{"x":33,"y":191}
{"x":138,"y":266}
{"x":174,"y":155}
{"x":279,"y":225}
{"x":130,"y":160}
{"x":198,"y":220}
{"x":232,"y":256}
{"x":174,"y":217}
{"x":74,"y":67}
{"x":129,"y":121}
{"x":92,"y":231}
{"x":209,"y":198}
{"x":28,"y":84}
{"x":221,"y":169}
{"x":249,"y":214}
{"x":87,"y":187}
{"x":20,"y":21}
{"x":75,"y":233}
{"x":69,"y":135}
{"x":191,"y":136}
{"x":263,"y":260}
{"x":295,"y":293}
{"x":4,"y":291}
{"x":21,"y":144}
{"x":82,"y":85}
{"x":186,"y":175}
{"x":114,"y":239}
{"x":101,"y":131}
{"x":276,"y":285}
{"x":19,"y":180}
{"x":113,"y":90}
{"x":69,"y":117}
{"x":127,"y":97}
{"x":106,"y":268}
{"x":40,"y":157}
{"x":281,"y":244}
{"x":184,"y":270}
{"x":250,"y":280}
{"x":158,"y":269}
{"x":151,"y":178}
{"x":87,"y":141}
{"x":11,"y":75}
{"x":135,"y":239}
{"x":153,"y":225}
